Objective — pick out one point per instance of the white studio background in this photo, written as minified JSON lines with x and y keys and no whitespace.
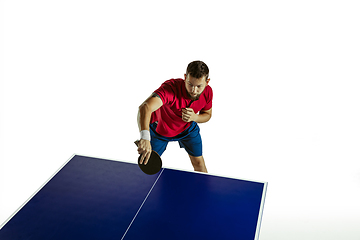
{"x":285,"y":77}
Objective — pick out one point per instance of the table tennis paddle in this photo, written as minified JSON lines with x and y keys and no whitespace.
{"x":154,"y":164}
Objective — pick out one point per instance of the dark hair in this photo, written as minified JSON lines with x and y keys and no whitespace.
{"x":198,"y":69}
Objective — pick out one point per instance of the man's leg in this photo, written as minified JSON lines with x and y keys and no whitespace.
{"x":198,"y":163}
{"x":158,"y":144}
{"x":193,"y":145}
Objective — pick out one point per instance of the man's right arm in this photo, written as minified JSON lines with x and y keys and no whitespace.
{"x":150,"y":105}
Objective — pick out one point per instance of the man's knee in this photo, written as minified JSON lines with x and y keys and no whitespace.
{"x":197,"y":160}
{"x":198,"y":163}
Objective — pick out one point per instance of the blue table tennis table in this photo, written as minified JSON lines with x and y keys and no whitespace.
{"x":93,"y":198}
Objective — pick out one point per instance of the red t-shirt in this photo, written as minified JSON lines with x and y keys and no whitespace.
{"x":174,"y":97}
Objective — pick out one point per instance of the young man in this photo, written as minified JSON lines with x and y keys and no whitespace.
{"x":172,"y":112}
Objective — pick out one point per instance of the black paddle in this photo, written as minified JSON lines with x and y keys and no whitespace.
{"x":153,"y":165}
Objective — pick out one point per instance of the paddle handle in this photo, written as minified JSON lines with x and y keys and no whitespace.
{"x":137,"y":142}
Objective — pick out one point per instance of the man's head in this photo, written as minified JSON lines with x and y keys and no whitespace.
{"x":196,"y":79}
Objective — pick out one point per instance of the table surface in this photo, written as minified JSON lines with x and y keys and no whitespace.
{"x":92,"y":198}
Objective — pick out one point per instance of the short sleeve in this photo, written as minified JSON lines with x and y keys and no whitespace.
{"x":208,"y":98}
{"x":166,"y":92}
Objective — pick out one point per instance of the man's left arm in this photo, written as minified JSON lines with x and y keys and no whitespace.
{"x":189,"y":115}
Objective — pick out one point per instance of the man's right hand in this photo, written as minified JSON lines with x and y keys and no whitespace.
{"x":144,"y":148}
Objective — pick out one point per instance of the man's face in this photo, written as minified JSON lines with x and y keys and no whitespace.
{"x":195,"y":86}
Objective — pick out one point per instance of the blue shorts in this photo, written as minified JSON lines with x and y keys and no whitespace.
{"x":189,"y":139}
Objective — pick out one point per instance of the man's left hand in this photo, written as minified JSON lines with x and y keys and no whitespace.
{"x":188,"y":115}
